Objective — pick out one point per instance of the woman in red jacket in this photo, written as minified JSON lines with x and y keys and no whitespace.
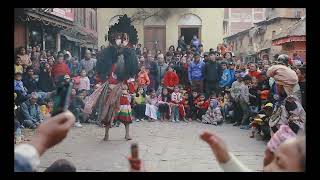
{"x":60,"y":68}
{"x":170,"y":79}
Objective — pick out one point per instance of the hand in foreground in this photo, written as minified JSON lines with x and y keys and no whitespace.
{"x":52,"y":131}
{"x":136,"y":165}
{"x":217,"y":145}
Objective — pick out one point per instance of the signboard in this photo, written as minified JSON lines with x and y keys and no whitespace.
{"x":65,"y":13}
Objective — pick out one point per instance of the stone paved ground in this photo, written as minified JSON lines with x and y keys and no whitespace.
{"x":164,"y":146}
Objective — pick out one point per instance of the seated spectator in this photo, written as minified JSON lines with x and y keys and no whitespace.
{"x":25,"y":59}
{"x":151,"y":106}
{"x":76,"y":107}
{"x":192,"y":98}
{"x":201,"y":105}
{"x":30,"y":82}
{"x":19,"y":89}
{"x":46,"y":108}
{"x":17,"y":66}
{"x":60,"y":68}
{"x":139,"y":104}
{"x":164,"y":104}
{"x":46,"y":83}
{"x":31,"y":112}
{"x":213,"y":115}
{"x":74,"y":67}
{"x":254,"y":98}
{"x":50,"y":133}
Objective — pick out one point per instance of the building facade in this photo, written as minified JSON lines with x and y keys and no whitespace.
{"x":256,"y":42}
{"x":240,"y":19}
{"x":159,"y":32}
{"x":285,"y":12}
{"x":56,"y":29}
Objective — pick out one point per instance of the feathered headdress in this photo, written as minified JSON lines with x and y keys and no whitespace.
{"x":122,"y":28}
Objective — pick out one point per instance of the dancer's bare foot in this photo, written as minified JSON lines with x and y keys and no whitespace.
{"x":106,"y":138}
{"x":128,"y":138}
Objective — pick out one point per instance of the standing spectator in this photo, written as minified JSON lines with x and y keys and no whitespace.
{"x":31,"y":112}
{"x":254,"y":98}
{"x":181,"y":43}
{"x":195,"y":73}
{"x":232,"y":73}
{"x":182,"y":71}
{"x":139,"y":104}
{"x":176,"y":98}
{"x":244,"y":102}
{"x":88,"y":63}
{"x":297,"y":60}
{"x":76,"y":107}
{"x":145,"y":52}
{"x":228,"y":57}
{"x":143,"y":78}
{"x":84,"y":83}
{"x":162,"y":67}
{"x":235,"y":93}
{"x":253,"y":71}
{"x":60,"y":68}
{"x":171,"y":49}
{"x":164,"y":104}
{"x":46,"y":83}
{"x":212,"y":74}
{"x":225,"y":77}
{"x":74,"y":67}
{"x":141,"y":61}
{"x":30,"y":82}
{"x":170,"y":79}
{"x":25,"y":59}
{"x":263,"y":88}
{"x":153,"y":72}
{"x":138,"y":50}
{"x":195,"y":42}
{"x":301,"y":73}
{"x":17,"y":66}
{"x":151,"y":105}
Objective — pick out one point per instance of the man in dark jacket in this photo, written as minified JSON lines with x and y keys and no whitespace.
{"x":30,"y":82}
{"x":212,"y":74}
{"x":153,"y":72}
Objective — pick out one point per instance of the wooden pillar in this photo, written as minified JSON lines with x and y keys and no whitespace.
{"x":58,"y":41}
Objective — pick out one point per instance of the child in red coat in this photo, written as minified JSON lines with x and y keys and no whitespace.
{"x":201,"y":105}
{"x":170,"y":79}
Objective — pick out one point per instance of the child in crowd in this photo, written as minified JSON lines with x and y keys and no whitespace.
{"x":226,"y":107}
{"x":143,"y":78}
{"x":164,"y":100}
{"x":176,"y":98}
{"x":124,"y":115}
{"x":139,"y":104}
{"x":74,"y":67}
{"x":17,"y":66}
{"x":91,"y":78}
{"x":186,"y":105}
{"x":76,"y":107}
{"x":182,"y":110}
{"x":201,"y":105}
{"x":151,"y":105}
{"x":225,"y":77}
{"x":46,"y":108}
{"x":254,"y":97}
{"x":19,"y":89}
{"x":170,"y":79}
{"x":192,"y":99}
{"x":213,"y":114}
{"x":84,"y":82}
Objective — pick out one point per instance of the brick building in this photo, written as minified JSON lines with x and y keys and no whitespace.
{"x":239,"y":19}
{"x":56,"y":28}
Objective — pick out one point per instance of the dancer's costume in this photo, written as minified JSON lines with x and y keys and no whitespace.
{"x":115,"y":66}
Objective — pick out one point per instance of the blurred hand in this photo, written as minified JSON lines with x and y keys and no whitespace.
{"x":217,"y":146}
{"x":52,"y":131}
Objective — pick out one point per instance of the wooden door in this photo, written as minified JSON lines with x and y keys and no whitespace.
{"x":155,"y":38}
{"x":19,"y":35}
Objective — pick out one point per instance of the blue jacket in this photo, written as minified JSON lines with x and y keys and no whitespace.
{"x":195,"y":71}
{"x":225,"y":78}
{"x":233,"y":77}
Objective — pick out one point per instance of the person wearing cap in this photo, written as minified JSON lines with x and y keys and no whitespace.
{"x":195,"y":72}
{"x":212,"y":74}
{"x":31,"y":112}
{"x":88,"y":63}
